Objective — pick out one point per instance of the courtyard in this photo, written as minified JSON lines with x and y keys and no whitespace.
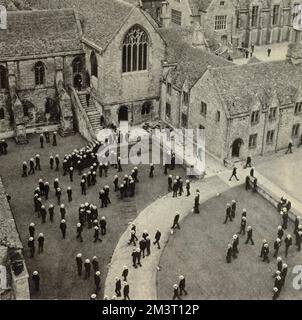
{"x":57,"y":267}
{"x":278,"y":53}
{"x":283,"y":170}
{"x":198,"y":252}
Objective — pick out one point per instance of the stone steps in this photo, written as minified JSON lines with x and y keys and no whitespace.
{"x":91,"y":111}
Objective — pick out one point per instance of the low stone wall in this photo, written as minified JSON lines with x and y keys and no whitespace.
{"x":273,"y":198}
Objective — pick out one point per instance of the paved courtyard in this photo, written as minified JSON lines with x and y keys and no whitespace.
{"x":57,"y":265}
{"x":279,"y":51}
{"x":198,"y":251}
{"x":284,"y":170}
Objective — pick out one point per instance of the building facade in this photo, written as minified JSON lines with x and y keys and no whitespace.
{"x":39,"y":50}
{"x":238,"y":22}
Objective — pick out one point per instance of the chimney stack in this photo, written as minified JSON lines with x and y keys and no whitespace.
{"x":165,"y":14}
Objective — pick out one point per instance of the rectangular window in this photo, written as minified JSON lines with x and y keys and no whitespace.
{"x":270,"y":136}
{"x":168,"y":110}
{"x":272,"y":114}
{"x":203,"y":109}
{"x":276,"y":10}
{"x":255,"y":117}
{"x":255,"y":11}
{"x":184,"y":120}
{"x":222,"y":3}
{"x":176,"y":17}
{"x":185,"y":98}
{"x":295,"y":130}
{"x":298,"y":107}
{"x":218,"y":116}
{"x":169,"y":89}
{"x":220,"y":22}
{"x":237,"y":18}
{"x":253,"y":141}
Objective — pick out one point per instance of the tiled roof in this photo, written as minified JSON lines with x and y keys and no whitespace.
{"x":243,"y":86}
{"x":9,"y":236}
{"x":191,"y":62}
{"x":100,"y":19}
{"x":15,"y":4}
{"x":39,"y":32}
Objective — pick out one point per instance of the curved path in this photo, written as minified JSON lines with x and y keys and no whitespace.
{"x":159,"y":214}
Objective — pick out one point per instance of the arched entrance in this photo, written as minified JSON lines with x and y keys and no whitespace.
{"x":123,"y":113}
{"x":77,"y":82}
{"x":224,"y":40}
{"x":236,"y":147}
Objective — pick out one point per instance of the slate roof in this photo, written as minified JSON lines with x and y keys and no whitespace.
{"x":100,"y":19}
{"x":9,"y":236}
{"x":191,"y":62}
{"x":243,"y":86}
{"x":39,"y":32}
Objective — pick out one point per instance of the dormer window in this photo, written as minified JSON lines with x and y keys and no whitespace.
{"x":255,"y":117}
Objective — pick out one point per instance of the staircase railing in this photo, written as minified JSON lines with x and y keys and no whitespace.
{"x":81,"y":117}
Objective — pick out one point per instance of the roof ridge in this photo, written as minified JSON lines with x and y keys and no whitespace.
{"x":38,"y":11}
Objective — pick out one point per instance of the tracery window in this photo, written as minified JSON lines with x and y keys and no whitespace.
{"x":135,"y":50}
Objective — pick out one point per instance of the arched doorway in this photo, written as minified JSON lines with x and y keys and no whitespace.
{"x":77,"y":82}
{"x":236,"y":147}
{"x":123,"y":113}
{"x":224,"y":40}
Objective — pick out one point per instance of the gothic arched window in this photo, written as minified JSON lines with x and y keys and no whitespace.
{"x":3,"y":78}
{"x":39,"y":73}
{"x":94,"y":64}
{"x":77,"y":65}
{"x":135,"y":50}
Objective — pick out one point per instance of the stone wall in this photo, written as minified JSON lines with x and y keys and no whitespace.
{"x":208,"y":20}
{"x":215,"y":131}
{"x":9,"y":238}
{"x":5,"y":124}
{"x":184,"y":8}
{"x":35,"y":96}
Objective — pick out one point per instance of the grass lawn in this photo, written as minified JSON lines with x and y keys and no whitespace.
{"x":56,"y":265}
{"x":198,"y":251}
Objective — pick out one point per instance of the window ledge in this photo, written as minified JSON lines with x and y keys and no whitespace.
{"x":252,"y":147}
{"x":135,"y":72}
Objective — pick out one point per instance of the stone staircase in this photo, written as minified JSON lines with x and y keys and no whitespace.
{"x":91,"y":111}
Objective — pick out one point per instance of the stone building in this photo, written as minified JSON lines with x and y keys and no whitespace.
{"x":13,"y":271}
{"x":245,"y":109}
{"x":180,"y":74}
{"x":236,"y":22}
{"x":39,"y":51}
{"x":123,"y":58}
